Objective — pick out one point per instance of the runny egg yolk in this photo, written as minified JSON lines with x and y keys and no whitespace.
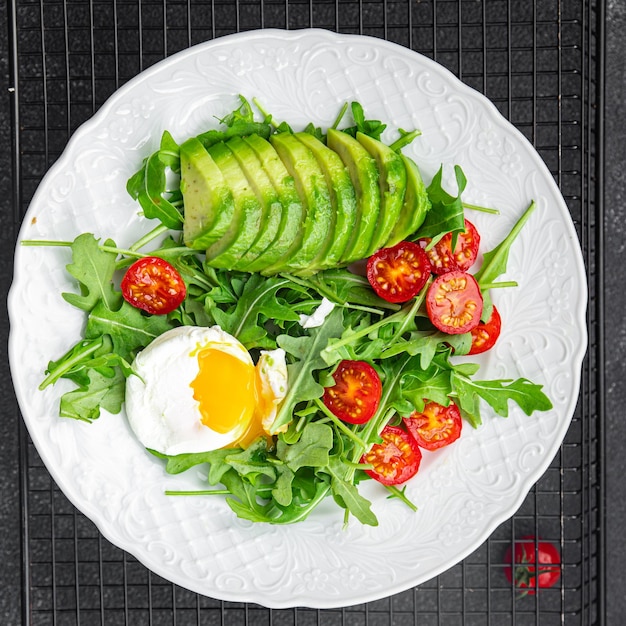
{"x":230,"y":395}
{"x":225,"y":389}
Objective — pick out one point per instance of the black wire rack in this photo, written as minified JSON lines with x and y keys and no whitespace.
{"x":541,"y":63}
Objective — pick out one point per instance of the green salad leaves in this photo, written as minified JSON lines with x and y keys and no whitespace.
{"x":312,"y":455}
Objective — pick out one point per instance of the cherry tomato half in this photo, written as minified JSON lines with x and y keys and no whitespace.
{"x":355,"y":396}
{"x":396,"y":459}
{"x":454,"y":302}
{"x":484,"y":336}
{"x":531,"y":564}
{"x":436,"y":426}
{"x":153,"y":285}
{"x":441,"y":257}
{"x":398,"y":274}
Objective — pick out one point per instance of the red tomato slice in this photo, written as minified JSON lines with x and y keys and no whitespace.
{"x":396,"y":459}
{"x":436,"y":426}
{"x":398,"y":274}
{"x":531,"y":564}
{"x":484,"y":336}
{"x":153,"y":285}
{"x":441,"y":257}
{"x":454,"y":302}
{"x":355,"y":396}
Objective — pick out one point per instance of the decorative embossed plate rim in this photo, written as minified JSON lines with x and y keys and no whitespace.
{"x":463,"y":492}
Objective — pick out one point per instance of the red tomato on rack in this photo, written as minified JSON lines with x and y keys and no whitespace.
{"x":355,"y":396}
{"x":436,"y":426}
{"x":441,"y":257}
{"x":532,"y":564}
{"x":454,"y":302}
{"x":153,"y":285}
{"x":398,"y":274}
{"x":485,"y":335}
{"x":396,"y":459}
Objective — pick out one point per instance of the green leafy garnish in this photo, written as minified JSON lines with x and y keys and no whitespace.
{"x":446,"y":215}
{"x":310,"y":454}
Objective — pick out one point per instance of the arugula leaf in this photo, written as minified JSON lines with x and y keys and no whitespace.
{"x":495,"y":261}
{"x":71,"y":362}
{"x":103,"y":392}
{"x":252,"y":461}
{"x":128,"y":328}
{"x":239,"y":128}
{"x":420,"y":386}
{"x":342,"y":286}
{"x":257,"y":300}
{"x":94,"y":269}
{"x":169,"y":152}
{"x":103,"y":361}
{"x":282,"y":491}
{"x":316,"y":131}
{"x":497,"y":393}
{"x":372,"y":128}
{"x":311,"y":450}
{"x":422,"y":343}
{"x":243,"y":113}
{"x":252,"y":501}
{"x":300,"y":507}
{"x":406,"y":137}
{"x":149,"y":184}
{"x":245,"y":502}
{"x":347,"y":495}
{"x":239,"y":123}
{"x":179,"y":463}
{"x":446,"y":215}
{"x":306,"y":350}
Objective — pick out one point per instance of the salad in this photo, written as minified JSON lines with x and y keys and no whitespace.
{"x":368,"y":329}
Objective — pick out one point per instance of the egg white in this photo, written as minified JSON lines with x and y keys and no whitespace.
{"x":160,"y":406}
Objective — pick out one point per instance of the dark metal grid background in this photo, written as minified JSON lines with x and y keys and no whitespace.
{"x":539,"y":62}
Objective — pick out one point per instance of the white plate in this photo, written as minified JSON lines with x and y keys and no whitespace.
{"x":463,"y":492}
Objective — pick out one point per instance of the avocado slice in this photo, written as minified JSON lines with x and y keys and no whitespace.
{"x":208,"y":200}
{"x":289,"y":230}
{"x":415,"y":207}
{"x":342,"y":196}
{"x":364,"y":175}
{"x":313,"y":191}
{"x":392,"y":182}
{"x":267,"y":195}
{"x":244,"y":226}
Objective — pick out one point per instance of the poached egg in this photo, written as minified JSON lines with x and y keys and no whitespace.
{"x":197,"y":389}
